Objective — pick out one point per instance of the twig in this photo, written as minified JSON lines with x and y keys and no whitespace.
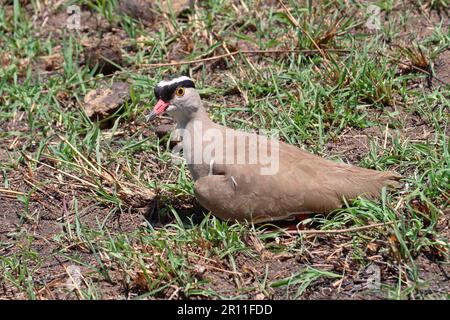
{"x":410,"y":65}
{"x":109,"y":177}
{"x":244,"y":52}
{"x":213,"y":261}
{"x":62,"y":172}
{"x":173,"y":295}
{"x":80,"y":154}
{"x":37,"y":188}
{"x":7,"y":248}
{"x":337,"y":231}
{"x":220,"y":56}
{"x":9,"y":191}
{"x":70,"y":163}
{"x":322,"y":51}
{"x":386,"y":136}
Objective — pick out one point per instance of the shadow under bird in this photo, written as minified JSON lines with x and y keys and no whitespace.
{"x":233,"y":186}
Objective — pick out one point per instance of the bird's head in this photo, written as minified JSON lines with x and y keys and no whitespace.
{"x":177,"y":97}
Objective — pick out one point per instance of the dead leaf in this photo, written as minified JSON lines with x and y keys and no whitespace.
{"x":5,"y":59}
{"x":139,"y":280}
{"x":260,"y":296}
{"x":62,"y":95}
{"x":23,"y":66}
{"x":53,"y":61}
{"x":246,"y":268}
{"x":258,"y":245}
{"x":337,"y":283}
{"x":103,"y":102}
{"x":395,"y":247}
{"x":372,"y":247}
{"x":199,"y":269}
{"x":176,"y":6}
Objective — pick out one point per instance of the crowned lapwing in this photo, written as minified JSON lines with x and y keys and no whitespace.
{"x":245,"y":176}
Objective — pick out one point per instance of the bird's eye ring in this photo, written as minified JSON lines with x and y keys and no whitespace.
{"x":179,"y":92}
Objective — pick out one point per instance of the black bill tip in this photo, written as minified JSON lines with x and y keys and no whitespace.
{"x":150,"y":117}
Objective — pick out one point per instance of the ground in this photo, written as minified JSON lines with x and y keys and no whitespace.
{"x":92,"y":207}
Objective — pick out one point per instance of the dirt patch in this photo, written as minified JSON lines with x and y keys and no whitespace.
{"x":54,"y":22}
{"x":52,"y":204}
{"x":421,"y":22}
{"x":104,"y":55}
{"x":442,"y":68}
{"x":36,"y":226}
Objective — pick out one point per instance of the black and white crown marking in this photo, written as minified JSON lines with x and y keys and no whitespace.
{"x":165,"y":89}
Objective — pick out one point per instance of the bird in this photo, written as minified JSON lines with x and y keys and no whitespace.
{"x":231,"y":182}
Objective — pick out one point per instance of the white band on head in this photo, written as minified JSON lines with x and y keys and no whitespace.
{"x":164,"y":83}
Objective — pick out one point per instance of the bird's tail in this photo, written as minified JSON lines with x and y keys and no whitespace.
{"x":368,"y":183}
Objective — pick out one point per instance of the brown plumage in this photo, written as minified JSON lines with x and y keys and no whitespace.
{"x":303,"y":183}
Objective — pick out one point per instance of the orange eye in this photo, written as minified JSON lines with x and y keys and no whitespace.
{"x":179,"y":92}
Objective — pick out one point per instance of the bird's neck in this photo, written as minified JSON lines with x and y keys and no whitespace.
{"x":188,"y":121}
{"x":191,"y":130}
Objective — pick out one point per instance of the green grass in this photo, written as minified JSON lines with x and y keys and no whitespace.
{"x":312,"y":101}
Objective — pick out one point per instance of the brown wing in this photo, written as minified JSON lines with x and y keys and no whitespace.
{"x":303,"y":183}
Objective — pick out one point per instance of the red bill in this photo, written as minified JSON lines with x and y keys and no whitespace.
{"x":159,"y":108}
